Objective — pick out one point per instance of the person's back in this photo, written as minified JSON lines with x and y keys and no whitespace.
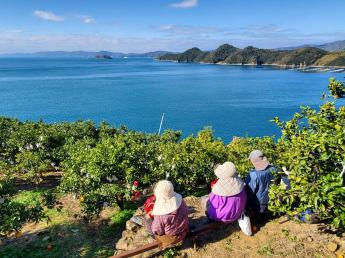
{"x":226,"y":208}
{"x":228,"y":198}
{"x":169,"y":224}
{"x":172,"y":224}
{"x":258,"y":182}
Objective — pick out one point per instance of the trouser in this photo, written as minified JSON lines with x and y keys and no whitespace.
{"x":164,"y":240}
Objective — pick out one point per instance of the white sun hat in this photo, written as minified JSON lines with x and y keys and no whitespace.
{"x":228,"y":184}
{"x":258,"y":160}
{"x":167,"y":200}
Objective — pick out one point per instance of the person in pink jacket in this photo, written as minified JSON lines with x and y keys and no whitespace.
{"x":170,"y":215}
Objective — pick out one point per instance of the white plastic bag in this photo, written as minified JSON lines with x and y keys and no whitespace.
{"x":244,"y":223}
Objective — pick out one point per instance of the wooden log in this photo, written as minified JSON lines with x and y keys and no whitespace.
{"x":155,"y":244}
{"x":139,"y":250}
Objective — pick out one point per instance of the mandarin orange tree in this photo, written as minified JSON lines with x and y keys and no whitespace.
{"x":312,"y":148}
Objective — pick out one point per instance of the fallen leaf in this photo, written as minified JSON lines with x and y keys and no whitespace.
{"x":49,"y":247}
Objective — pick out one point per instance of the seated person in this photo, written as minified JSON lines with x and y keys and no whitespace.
{"x":170,"y":215}
{"x":227,"y":200}
{"x":258,"y":182}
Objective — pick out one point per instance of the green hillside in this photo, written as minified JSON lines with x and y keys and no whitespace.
{"x":220,"y":54}
{"x":252,"y":55}
{"x":332,"y":59}
{"x":307,"y":56}
{"x":189,"y":56}
{"x":256,"y":56}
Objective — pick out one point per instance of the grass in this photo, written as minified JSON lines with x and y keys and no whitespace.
{"x":170,"y":253}
{"x":117,"y":222}
{"x":31,"y":197}
{"x":71,"y":240}
{"x":64,"y":235}
{"x":228,"y":245}
{"x":266,"y":250}
{"x":288,"y":235}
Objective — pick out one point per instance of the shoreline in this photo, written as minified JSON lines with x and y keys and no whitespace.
{"x":310,"y":68}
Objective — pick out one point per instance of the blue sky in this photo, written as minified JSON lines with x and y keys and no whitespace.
{"x":174,"y":25}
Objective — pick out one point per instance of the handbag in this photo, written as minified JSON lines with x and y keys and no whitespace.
{"x":245,"y":225}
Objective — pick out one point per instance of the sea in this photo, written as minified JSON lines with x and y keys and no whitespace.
{"x":136,"y":92}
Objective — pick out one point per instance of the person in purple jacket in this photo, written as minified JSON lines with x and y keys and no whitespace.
{"x":170,"y":215}
{"x":228,"y":198}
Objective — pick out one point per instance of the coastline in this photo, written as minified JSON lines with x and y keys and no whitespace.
{"x":310,"y":68}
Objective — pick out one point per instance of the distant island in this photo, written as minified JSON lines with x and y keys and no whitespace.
{"x":289,"y":58}
{"x":103,"y":57}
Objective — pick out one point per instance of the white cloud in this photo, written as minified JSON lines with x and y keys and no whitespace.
{"x":49,"y":16}
{"x":27,"y":43}
{"x":185,"y":4}
{"x":166,"y":37}
{"x":86,"y":19}
{"x":177,"y":30}
{"x":11,"y":31}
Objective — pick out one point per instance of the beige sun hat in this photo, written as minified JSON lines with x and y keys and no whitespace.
{"x":167,"y":200}
{"x":258,"y":160}
{"x":228,"y":183}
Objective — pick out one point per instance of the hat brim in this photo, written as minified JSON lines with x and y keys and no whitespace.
{"x":228,"y":186}
{"x":166,"y":206}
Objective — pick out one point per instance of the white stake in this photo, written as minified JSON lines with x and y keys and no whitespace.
{"x":343,"y":171}
{"x":160,"y":126}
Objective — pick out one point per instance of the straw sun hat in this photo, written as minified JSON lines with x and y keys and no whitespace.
{"x":167,"y":200}
{"x":258,"y":159}
{"x":228,"y":183}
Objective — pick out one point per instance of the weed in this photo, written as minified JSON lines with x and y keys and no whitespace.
{"x":266,"y":250}
{"x":170,"y":253}
{"x":228,"y":245}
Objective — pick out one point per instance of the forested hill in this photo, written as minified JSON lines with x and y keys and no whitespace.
{"x":228,"y":54}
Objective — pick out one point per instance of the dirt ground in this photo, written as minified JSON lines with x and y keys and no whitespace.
{"x":277,"y":238}
{"x":70,"y":238}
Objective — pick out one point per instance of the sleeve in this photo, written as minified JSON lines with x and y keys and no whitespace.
{"x":158,"y":226}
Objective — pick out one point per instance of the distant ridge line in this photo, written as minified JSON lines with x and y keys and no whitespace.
{"x":86,"y":54}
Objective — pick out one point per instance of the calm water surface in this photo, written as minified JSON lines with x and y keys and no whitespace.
{"x":235,"y":101}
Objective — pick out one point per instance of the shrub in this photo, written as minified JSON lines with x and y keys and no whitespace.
{"x":100,"y":163}
{"x":14,"y":214}
{"x":312,"y":147}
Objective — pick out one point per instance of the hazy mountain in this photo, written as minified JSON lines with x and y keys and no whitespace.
{"x":150,"y":54}
{"x":332,"y":46}
{"x":84,"y":54}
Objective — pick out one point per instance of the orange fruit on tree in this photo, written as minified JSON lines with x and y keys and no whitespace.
{"x":49,"y":247}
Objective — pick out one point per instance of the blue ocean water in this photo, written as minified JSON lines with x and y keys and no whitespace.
{"x":234,"y":100}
